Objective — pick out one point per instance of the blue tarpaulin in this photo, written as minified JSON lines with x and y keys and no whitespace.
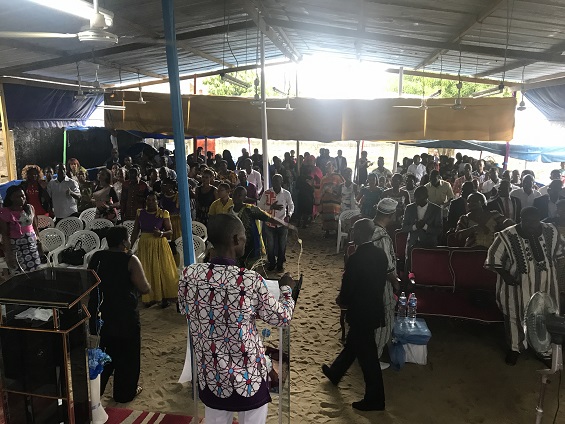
{"x":530,"y":153}
{"x":549,"y":100}
{"x":39,"y":107}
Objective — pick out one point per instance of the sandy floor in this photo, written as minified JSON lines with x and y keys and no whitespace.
{"x":465,"y":381}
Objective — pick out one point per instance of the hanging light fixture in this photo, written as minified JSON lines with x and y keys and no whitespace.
{"x":522,"y":105}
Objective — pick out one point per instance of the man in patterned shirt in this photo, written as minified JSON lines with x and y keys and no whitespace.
{"x":222,"y":301}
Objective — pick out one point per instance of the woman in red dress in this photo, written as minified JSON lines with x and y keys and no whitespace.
{"x":34,"y":190}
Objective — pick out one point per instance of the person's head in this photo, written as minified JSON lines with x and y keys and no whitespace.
{"x":151,"y":201}
{"x":363,"y":230}
{"x":382,"y":182}
{"x":31,"y":173}
{"x":527,"y":183}
{"x":248,"y":165}
{"x":226,"y":154}
{"x":224,"y":191}
{"x":530,"y":220}
{"x":292,"y":153}
{"x":255,"y":151}
{"x":133,"y":173}
{"x":493,"y":174}
{"x":395,"y":181}
{"x":81,"y":176}
{"x":277,"y":182}
{"x":380,"y":162}
{"x":386,"y":211}
{"x":218,"y":158}
{"x":207,"y":177}
{"x":424,"y":159}
{"x":372,"y":180}
{"x":467,"y":169}
{"x":169,"y":186}
{"x":104,"y":176}
{"x":61,"y":170}
{"x":555,"y":174}
{"x":115,"y":167}
{"x":152,"y":174}
{"x":209,"y":155}
{"x":329,"y":168}
{"x":15,"y":197}
{"x":242,"y":176}
{"x":416,"y":159}
{"x":120,"y":175}
{"x":127,"y":161}
{"x":163,"y":173}
{"x":223,"y":166}
{"x":459,"y":157}
{"x":410,"y":181}
{"x":286,"y":156}
{"x":364,"y":154}
{"x":435,"y":178}
{"x":339,"y":153}
{"x":48,"y":172}
{"x":347,"y":174}
{"x":476,"y":202}
{"x":467,"y":188}
{"x":554,"y":189}
{"x":421,"y":196}
{"x":405,"y":162}
{"x":515,"y":178}
{"x":74,"y":165}
{"x":239,"y":195}
{"x":277,"y":161}
{"x":244,"y":152}
{"x":227,"y":234}
{"x":117,"y":238}
{"x":115,"y":154}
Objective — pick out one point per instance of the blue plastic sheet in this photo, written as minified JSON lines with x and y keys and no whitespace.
{"x":406,"y":332}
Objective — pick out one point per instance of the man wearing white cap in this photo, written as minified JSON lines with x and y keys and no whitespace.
{"x":386,"y":212}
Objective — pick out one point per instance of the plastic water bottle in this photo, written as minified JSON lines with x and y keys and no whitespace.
{"x":412,"y":306}
{"x":402,"y":305}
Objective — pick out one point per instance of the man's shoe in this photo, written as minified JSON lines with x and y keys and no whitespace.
{"x":280,"y":268}
{"x":328,"y":373}
{"x":364,"y":405}
{"x":270,"y":267}
{"x":511,"y":357}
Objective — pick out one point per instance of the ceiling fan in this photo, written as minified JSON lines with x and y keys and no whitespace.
{"x":94,"y":33}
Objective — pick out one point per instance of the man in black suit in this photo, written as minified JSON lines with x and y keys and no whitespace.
{"x":340,"y":162}
{"x":506,"y":205}
{"x":422,"y":221}
{"x":362,"y":289}
{"x":458,"y":207}
{"x":547,"y":204}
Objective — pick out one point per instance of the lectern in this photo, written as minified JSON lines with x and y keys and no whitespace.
{"x":43,"y":346}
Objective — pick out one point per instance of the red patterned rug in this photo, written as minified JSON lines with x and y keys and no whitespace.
{"x":129,"y":416}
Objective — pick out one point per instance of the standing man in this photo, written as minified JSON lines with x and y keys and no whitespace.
{"x":381,"y":171}
{"x":489,"y":187}
{"x":134,"y":192}
{"x":527,"y":194}
{"x":222,"y":301}
{"x":416,"y":168}
{"x":422,"y":221}
{"x":114,"y":158}
{"x":547,"y":204}
{"x":524,"y":257}
{"x":458,"y":207}
{"x":362,"y":291}
{"x":439,"y":191}
{"x":278,"y":202}
{"x":250,"y":188}
{"x":553,"y":175}
{"x":64,"y":193}
{"x":340,"y":162}
{"x":467,"y":176}
{"x":505,"y":204}
{"x":253,"y":176}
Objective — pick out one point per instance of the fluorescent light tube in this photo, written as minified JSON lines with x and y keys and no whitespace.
{"x":235,"y":81}
{"x":494,"y":90}
{"x":111,"y":107}
{"x":80,"y":8}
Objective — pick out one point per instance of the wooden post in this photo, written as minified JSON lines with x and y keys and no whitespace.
{"x":9,"y":148}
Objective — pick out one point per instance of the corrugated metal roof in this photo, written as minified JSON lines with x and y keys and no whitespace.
{"x":471,"y":36}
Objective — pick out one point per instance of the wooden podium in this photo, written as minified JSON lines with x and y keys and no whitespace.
{"x":43,"y":358}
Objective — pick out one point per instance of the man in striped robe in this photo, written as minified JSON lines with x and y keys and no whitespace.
{"x":524,"y":256}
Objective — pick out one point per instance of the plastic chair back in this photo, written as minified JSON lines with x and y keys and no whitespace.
{"x":51,"y":239}
{"x":44,"y":221}
{"x":87,"y":215}
{"x":70,"y":225}
{"x":99,"y":223}
{"x":200,"y":230}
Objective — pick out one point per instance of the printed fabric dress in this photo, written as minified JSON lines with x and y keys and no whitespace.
{"x":22,"y":239}
{"x":330,"y":201}
{"x":156,"y":257}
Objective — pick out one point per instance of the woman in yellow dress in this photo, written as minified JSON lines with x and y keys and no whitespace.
{"x":154,"y":252}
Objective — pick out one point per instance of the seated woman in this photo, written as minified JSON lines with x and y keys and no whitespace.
{"x":105,"y":197}
{"x":121,"y":279}
{"x":154,"y":252}
{"x":478,"y":226}
{"x":18,"y":227}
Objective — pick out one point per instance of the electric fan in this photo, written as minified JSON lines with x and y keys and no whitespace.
{"x":545,"y":330}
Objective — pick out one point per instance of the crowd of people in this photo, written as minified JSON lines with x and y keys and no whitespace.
{"x":435,"y":200}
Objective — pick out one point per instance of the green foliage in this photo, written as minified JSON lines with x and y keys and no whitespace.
{"x":218,"y":87}
{"x":414,"y":85}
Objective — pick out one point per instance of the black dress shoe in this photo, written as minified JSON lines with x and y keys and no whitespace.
{"x":280,"y":268}
{"x":512,"y":357}
{"x":364,"y":405}
{"x":270,"y":267}
{"x":328,"y":373}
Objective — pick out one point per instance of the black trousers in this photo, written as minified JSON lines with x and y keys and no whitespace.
{"x":360,"y":344}
{"x":125,"y":351}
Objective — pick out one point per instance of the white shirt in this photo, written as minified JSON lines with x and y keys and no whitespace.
{"x":488,"y":185}
{"x":255,"y":178}
{"x":525,"y":199}
{"x":421,"y":210}
{"x":282,"y":198}
{"x":417,"y":170}
{"x":64,"y":205}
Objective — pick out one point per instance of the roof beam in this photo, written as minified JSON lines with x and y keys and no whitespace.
{"x":456,"y":38}
{"x":123,"y":48}
{"x":450,"y":77}
{"x":418,"y":42}
{"x":278,"y":37}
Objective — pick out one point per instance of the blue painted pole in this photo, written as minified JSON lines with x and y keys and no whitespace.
{"x":178,"y":129}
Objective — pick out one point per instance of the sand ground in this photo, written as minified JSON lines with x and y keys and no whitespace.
{"x":465,"y":380}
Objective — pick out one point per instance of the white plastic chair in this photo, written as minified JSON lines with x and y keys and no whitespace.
{"x":345,"y":215}
{"x":51,"y":239}
{"x":44,"y":221}
{"x":89,"y":242}
{"x":129,"y":226}
{"x":199,"y":250}
{"x":99,"y":223}
{"x":87,"y":215}
{"x":200,"y":230}
{"x":70,"y":225}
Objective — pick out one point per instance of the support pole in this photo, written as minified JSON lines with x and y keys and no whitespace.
{"x":298,"y":161}
{"x":356,"y":170}
{"x":396,"y":145}
{"x":9,"y":149}
{"x":178,"y":129}
{"x":65,"y":146}
{"x":266,"y":176}
{"x":506,"y":156}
